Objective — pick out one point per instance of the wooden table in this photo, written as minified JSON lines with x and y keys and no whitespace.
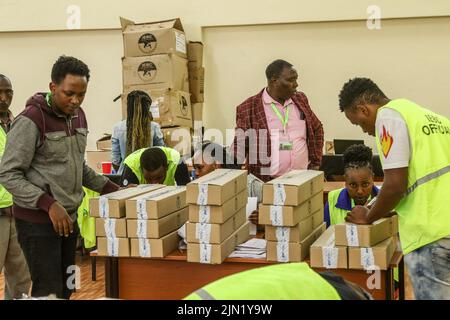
{"x":174,"y":278}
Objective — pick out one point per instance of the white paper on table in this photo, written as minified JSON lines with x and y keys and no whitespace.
{"x":252,"y":205}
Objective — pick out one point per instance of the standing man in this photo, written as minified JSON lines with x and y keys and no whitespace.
{"x":414,"y":147}
{"x":43,"y":167}
{"x":276,"y":130}
{"x":12,"y":260}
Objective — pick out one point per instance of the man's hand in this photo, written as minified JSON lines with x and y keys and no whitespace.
{"x":358,"y":215}
{"x":253,"y":217}
{"x":62,"y":223}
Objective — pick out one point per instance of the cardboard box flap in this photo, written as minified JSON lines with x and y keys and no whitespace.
{"x":296,"y":177}
{"x":131,"y":26}
{"x":219,"y":177}
{"x":130,"y":192}
{"x":160,"y":194}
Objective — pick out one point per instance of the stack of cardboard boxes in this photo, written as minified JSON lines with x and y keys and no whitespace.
{"x":139,"y":222}
{"x":155,"y":61}
{"x":292,"y":211}
{"x":354,"y":246}
{"x":217,"y":215}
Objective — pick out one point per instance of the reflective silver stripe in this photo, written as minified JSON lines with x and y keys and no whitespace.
{"x":427,"y":178}
{"x":204,"y":294}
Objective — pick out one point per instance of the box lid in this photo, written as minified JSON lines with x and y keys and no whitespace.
{"x":326,"y":239}
{"x":296,"y":177}
{"x":130,"y":192}
{"x":131,"y":26}
{"x":219,"y":177}
{"x":160,"y":194}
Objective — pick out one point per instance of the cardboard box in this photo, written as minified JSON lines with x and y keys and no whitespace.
{"x":325,"y":254}
{"x":217,"y":253}
{"x":195,"y":52}
{"x":157,"y":203}
{"x":94,"y":159}
{"x":145,"y":39}
{"x":354,"y":235}
{"x":216,"y":187}
{"x":178,"y":138}
{"x":113,"y":247}
{"x":163,"y":70}
{"x":293,"y":188}
{"x":154,"y":229}
{"x":218,"y":214}
{"x":154,"y":248}
{"x":104,"y":143}
{"x":297,"y":233}
{"x":379,"y":255}
{"x":214,"y":233}
{"x":283,"y":251}
{"x":111,"y":228}
{"x":112,"y":205}
{"x":197,"y":112}
{"x":289,"y":216}
{"x":196,"y":82}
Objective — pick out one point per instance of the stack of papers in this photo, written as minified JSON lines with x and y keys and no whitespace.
{"x":253,"y":248}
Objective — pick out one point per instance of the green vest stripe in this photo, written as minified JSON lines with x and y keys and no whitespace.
{"x":204,"y":295}
{"x":427,"y":178}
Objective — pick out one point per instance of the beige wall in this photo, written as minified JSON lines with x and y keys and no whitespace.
{"x":407,"y":57}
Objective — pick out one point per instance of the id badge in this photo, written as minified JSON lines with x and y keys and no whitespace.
{"x":287,"y":145}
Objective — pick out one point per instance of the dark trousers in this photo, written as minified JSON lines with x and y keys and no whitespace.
{"x":50,"y":258}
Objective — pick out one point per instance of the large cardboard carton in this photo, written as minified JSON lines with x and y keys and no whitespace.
{"x":296,"y":233}
{"x":196,"y":82}
{"x":218,"y":214}
{"x":154,"y":248}
{"x":169,"y":107}
{"x":111,"y":228}
{"x":354,"y":235}
{"x":289,"y":216}
{"x":154,"y":229}
{"x":113,"y":247}
{"x":104,"y":143}
{"x":283,"y":251}
{"x":325,"y":254}
{"x":197,"y":112}
{"x":112,"y":205}
{"x":145,"y":39}
{"x":216,"y":187}
{"x":214,"y":233}
{"x":293,"y":188}
{"x":157,"y":203}
{"x":195,"y":52}
{"x":94,"y":159}
{"x":161,"y":70}
{"x":216,"y":253}
{"x":378,"y":256}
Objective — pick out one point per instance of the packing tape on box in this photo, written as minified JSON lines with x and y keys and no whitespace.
{"x":110,"y":228}
{"x":279,"y":194}
{"x":283,"y":233}
{"x":144,"y":248}
{"x":276,"y":215}
{"x":141,"y":228}
{"x":203,"y":232}
{"x":352,"y":235}
{"x":202,"y":194}
{"x":204,"y":214}
{"x":112,"y":245}
{"x":330,"y":257}
{"x":283,"y":251}
{"x":141,"y":209}
{"x":205,"y":253}
{"x":367,"y":259}
{"x":103,"y":207}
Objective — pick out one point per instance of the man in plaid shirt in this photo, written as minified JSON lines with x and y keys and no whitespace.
{"x":276,"y":130}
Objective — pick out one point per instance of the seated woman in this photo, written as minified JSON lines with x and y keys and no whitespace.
{"x":359,"y":188}
{"x":137,"y":131}
{"x":213,"y":156}
{"x":155,"y":165}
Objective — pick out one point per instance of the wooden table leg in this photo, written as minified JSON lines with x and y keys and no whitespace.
{"x":401,"y":280}
{"x":111,"y":277}
{"x":389,"y":285}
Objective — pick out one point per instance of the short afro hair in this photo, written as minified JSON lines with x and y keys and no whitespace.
{"x":69,"y":65}
{"x":357,"y":156}
{"x":360,"y":90}
{"x":275,"y":69}
{"x":153,"y":158}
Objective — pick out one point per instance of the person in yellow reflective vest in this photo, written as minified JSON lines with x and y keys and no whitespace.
{"x":414,"y":147}
{"x":161,"y":165}
{"x":359,"y":187}
{"x":286,"y":281}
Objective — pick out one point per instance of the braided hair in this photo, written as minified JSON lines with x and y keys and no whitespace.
{"x":357,"y":156}
{"x":138,"y":121}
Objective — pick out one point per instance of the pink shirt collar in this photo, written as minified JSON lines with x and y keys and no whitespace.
{"x":267,"y":99}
